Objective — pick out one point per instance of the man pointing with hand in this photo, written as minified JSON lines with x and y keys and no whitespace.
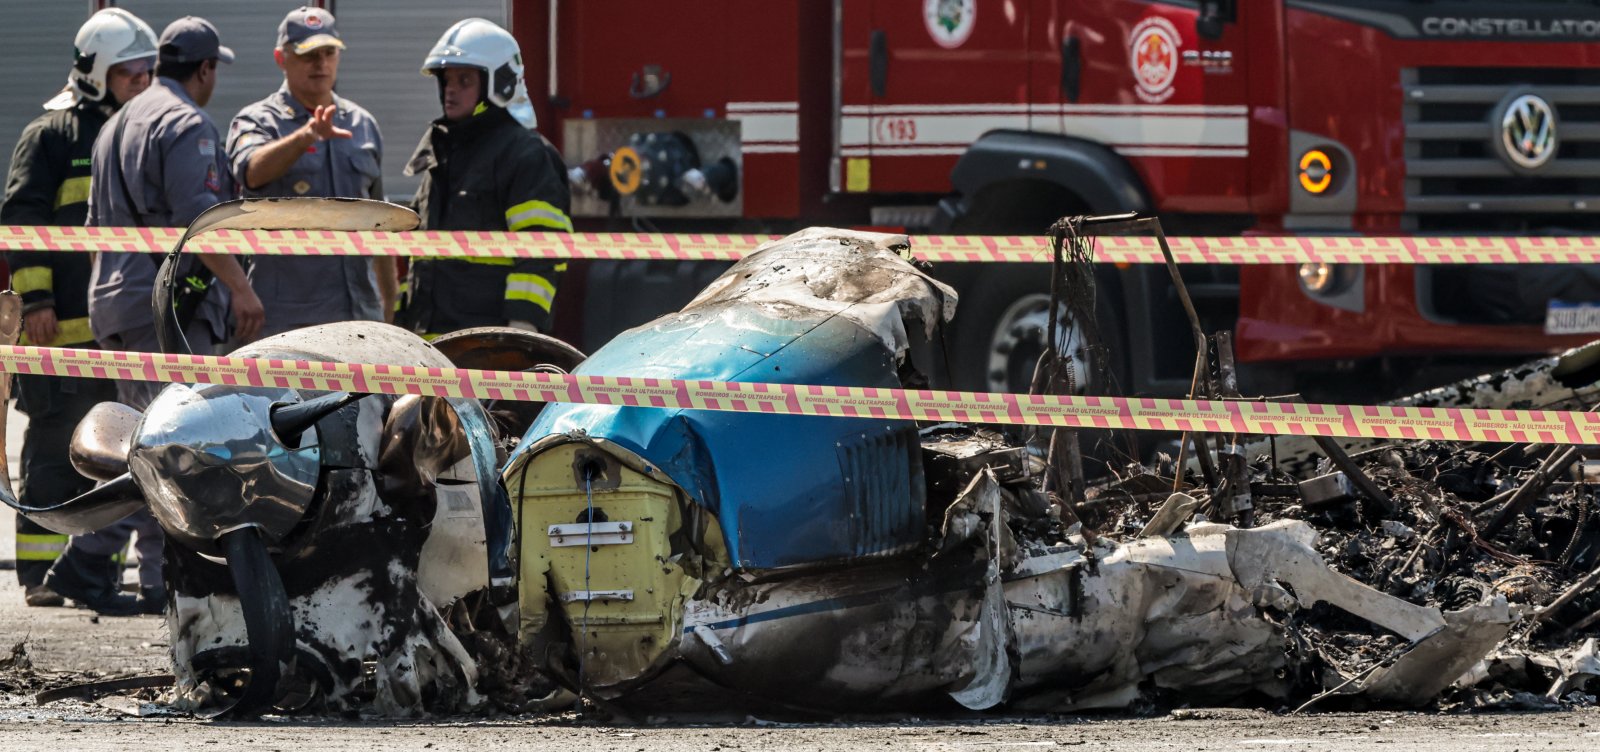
{"x":305,"y":140}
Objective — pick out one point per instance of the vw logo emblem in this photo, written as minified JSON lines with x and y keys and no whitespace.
{"x":1527,"y":131}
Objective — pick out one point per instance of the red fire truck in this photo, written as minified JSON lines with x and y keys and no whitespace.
{"x":1223,"y":117}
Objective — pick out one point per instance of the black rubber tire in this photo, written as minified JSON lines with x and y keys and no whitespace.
{"x":269,"y":624}
{"x":988,"y":297}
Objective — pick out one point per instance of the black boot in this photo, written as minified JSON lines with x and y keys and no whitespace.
{"x":41,"y":596}
{"x":91,"y":581}
{"x":153,"y":600}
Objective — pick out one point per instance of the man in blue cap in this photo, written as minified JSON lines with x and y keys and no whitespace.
{"x":156,"y":163}
{"x":305,"y":140}
{"x":159,"y":163}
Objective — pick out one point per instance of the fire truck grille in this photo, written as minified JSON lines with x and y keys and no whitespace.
{"x":1453,"y":165}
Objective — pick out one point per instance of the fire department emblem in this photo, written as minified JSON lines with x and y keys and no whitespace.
{"x":1154,"y":58}
{"x":950,"y":22}
{"x":1527,"y":137}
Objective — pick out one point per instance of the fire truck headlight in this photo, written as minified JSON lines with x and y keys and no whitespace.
{"x":1319,"y":278}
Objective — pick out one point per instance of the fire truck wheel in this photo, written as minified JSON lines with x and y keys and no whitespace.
{"x":1002,"y":327}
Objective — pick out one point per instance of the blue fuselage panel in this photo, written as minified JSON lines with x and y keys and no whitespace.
{"x":787,"y":490}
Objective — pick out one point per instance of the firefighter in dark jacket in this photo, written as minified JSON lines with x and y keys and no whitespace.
{"x":484,"y":168}
{"x":49,"y":185}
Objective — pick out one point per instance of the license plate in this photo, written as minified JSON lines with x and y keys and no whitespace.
{"x":1571,"y":318}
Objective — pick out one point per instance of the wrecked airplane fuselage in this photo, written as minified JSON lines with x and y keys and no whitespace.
{"x":340,"y":552}
{"x":682,"y":559}
{"x":816,"y":309}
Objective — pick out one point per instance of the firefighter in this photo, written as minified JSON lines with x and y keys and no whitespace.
{"x":484,"y":168}
{"x":49,"y":185}
{"x":306,"y":140}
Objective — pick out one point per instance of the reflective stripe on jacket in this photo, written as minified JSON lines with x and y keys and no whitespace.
{"x":49,"y":185}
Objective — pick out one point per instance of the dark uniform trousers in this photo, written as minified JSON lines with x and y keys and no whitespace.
{"x":54,"y":406}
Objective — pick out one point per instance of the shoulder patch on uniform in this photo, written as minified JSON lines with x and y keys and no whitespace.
{"x":208,"y":147}
{"x":213,"y":180}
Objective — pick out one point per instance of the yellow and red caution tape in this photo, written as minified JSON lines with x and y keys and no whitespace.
{"x":722,"y":247}
{"x":1380,"y":422}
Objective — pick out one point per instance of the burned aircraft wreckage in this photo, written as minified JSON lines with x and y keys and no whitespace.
{"x":324,"y":548}
{"x":409,"y":555}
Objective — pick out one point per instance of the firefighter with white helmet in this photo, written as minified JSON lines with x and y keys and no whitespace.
{"x":49,"y":185}
{"x":109,"y":40}
{"x":484,"y":168}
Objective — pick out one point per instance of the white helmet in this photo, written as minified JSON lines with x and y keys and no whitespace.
{"x":109,"y":37}
{"x":482,"y":44}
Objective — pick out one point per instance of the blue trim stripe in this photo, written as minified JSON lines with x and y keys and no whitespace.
{"x":801,"y":609}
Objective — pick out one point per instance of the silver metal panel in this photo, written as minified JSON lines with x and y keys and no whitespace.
{"x":584,"y":140}
{"x":596,"y":595}
{"x":348,"y":342}
{"x":596,"y":534}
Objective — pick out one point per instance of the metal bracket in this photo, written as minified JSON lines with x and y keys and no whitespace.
{"x":597,"y":595}
{"x":591,"y":534}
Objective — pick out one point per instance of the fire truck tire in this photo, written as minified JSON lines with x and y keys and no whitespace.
{"x":1002,"y":327}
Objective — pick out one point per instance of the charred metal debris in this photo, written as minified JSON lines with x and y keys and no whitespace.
{"x":661,"y":560}
{"x":1510,"y":532}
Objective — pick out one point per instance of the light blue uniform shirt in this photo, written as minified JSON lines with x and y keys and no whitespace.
{"x":171,"y":161}
{"x":299,"y":291}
